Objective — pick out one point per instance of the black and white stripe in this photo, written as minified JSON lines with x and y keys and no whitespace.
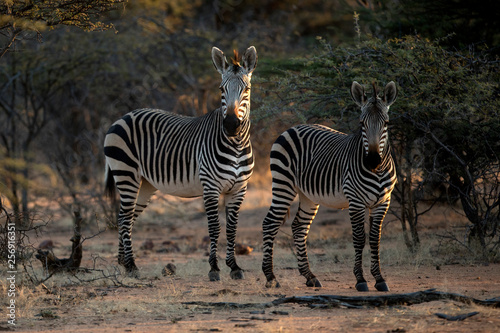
{"x":149,"y":150}
{"x":326,"y":167}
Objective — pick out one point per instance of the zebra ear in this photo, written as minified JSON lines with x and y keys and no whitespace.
{"x":250,"y":59}
{"x":390,"y":93}
{"x":358,"y":94}
{"x":219,"y":60}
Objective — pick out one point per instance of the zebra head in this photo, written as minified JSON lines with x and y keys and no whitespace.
{"x":235,"y":87}
{"x":374,"y":119}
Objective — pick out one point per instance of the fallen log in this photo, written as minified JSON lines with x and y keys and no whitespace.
{"x":55,"y":265}
{"x":331,"y":301}
{"x":386,"y":300}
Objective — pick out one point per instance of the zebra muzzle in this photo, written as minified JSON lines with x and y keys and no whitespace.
{"x":231,"y":125}
{"x":372,"y":160}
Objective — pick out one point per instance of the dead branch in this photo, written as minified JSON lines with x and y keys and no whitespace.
{"x":55,"y":265}
{"x":456,"y":318}
{"x":331,"y":301}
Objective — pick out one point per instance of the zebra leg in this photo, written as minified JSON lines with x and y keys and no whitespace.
{"x":211,"y":199}
{"x":300,"y":228}
{"x":233,"y":205}
{"x":145,"y":193}
{"x":127,"y":216}
{"x":274,"y":219}
{"x":125,"y":251}
{"x":357,"y":216}
{"x":128,"y":197}
{"x":376,"y":217}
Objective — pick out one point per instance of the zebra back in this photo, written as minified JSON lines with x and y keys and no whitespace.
{"x":175,"y":153}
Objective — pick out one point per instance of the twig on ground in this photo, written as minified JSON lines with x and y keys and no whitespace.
{"x":456,"y":318}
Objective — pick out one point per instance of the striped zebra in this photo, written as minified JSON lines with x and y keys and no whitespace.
{"x":327,"y":167}
{"x":149,"y":150}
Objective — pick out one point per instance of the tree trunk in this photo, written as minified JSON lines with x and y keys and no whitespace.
{"x":478,"y":231}
{"x":71,"y":264}
{"x":408,"y":206}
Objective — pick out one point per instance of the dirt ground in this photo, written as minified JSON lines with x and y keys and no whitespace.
{"x":174,"y":231}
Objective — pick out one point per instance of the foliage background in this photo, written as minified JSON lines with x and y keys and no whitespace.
{"x":69,"y":68}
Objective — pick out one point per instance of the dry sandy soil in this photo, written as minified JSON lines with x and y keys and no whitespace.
{"x":177,"y":229}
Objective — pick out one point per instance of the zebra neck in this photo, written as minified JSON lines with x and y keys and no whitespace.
{"x":242,"y":140}
{"x":386,"y":157}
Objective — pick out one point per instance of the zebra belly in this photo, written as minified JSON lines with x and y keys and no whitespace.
{"x":336,"y":201}
{"x":339,"y":202}
{"x":194,"y":188}
{"x":184,"y":190}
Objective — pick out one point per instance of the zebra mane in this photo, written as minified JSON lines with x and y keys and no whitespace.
{"x":375,"y":90}
{"x":237,"y":58}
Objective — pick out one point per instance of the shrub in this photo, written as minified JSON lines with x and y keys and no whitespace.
{"x":444,"y":127}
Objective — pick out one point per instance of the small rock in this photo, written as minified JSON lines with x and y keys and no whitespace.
{"x":147,"y":245}
{"x":186,"y":237}
{"x":169,"y":270}
{"x":258,"y":312}
{"x":169,"y":246}
{"x":397,"y":330}
{"x":205,"y":241}
{"x":280,"y":313}
{"x":225,"y":292}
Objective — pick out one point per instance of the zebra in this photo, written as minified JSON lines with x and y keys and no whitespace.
{"x":327,"y":167}
{"x":209,"y":156}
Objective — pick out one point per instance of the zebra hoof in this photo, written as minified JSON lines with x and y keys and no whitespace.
{"x":237,"y":274}
{"x":313,"y":283}
{"x":381,"y":286}
{"x":362,"y":286}
{"x":133,"y":272}
{"x":273,"y":284}
{"x":214,"y":275}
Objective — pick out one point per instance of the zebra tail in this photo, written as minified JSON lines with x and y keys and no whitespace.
{"x":110,"y":188}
